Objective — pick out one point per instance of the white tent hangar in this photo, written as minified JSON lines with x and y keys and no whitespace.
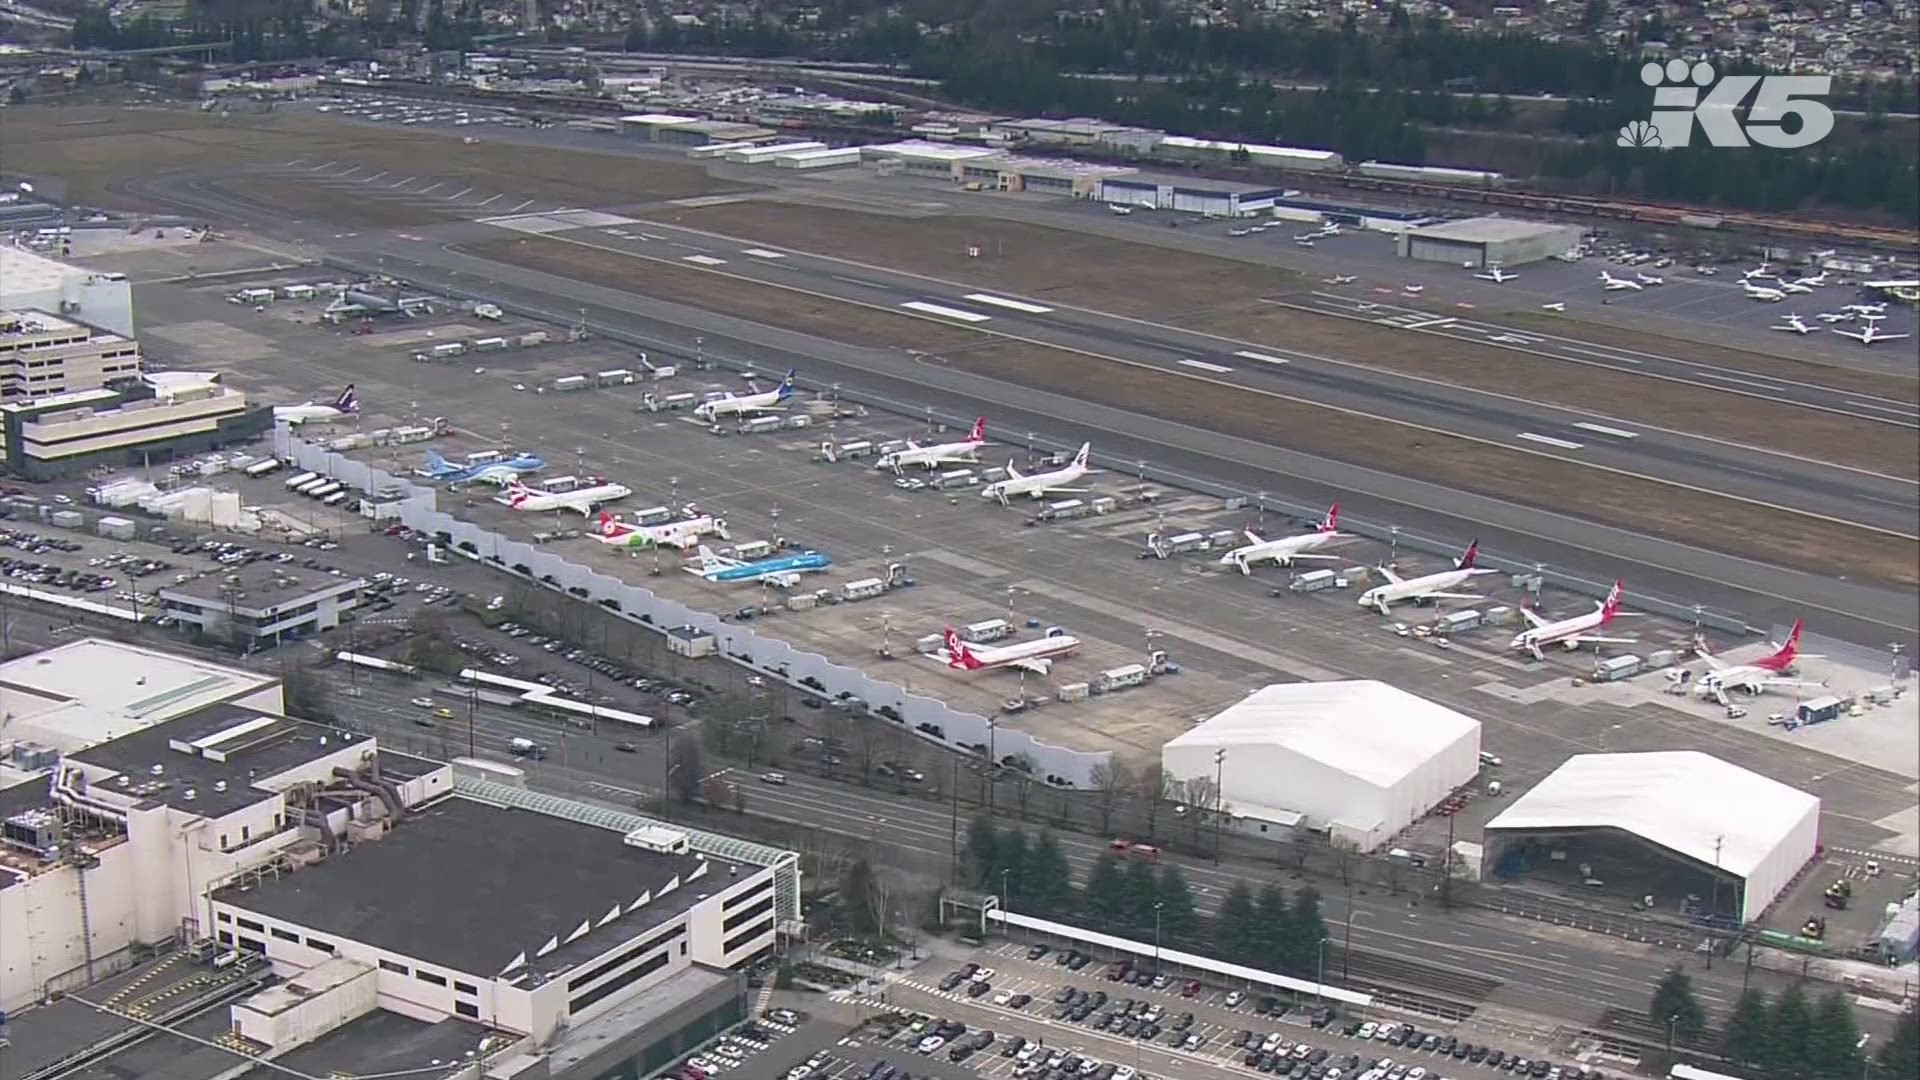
{"x":1362,"y":760}
{"x":1708,"y":812}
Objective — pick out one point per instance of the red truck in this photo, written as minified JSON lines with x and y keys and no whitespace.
{"x":1127,"y":849}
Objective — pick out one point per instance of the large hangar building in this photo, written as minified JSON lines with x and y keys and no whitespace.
{"x":1716,"y":831}
{"x":1488,"y":241}
{"x":1358,"y":760}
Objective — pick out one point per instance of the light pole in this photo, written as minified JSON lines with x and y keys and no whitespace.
{"x":1004,"y":871}
{"x":1219,"y":798}
{"x":1320,"y":980}
{"x":1157,"y":905}
{"x":1672,"y":1022}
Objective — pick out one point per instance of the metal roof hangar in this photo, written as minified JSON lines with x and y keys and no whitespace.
{"x":1361,"y":760}
{"x":1189,"y":194}
{"x":1723,"y":831}
{"x":1488,"y":241}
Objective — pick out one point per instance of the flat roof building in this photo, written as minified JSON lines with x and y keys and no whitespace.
{"x":43,"y":354}
{"x":1189,"y":194}
{"x":66,"y":435}
{"x":1057,"y":176}
{"x":261,"y":605}
{"x":1302,"y":159}
{"x":29,"y":280}
{"x":1358,"y":760}
{"x":916,"y":157}
{"x":1488,"y":241}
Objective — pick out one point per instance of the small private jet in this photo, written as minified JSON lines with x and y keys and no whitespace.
{"x":1835,"y":316}
{"x":1496,"y":275}
{"x":1414,"y":289}
{"x":1761,"y":293}
{"x":1342,"y":279}
{"x":1650,"y":279}
{"x":1869,"y":335}
{"x":1614,"y":284}
{"x":1763,"y":272}
{"x":1795,"y":325}
{"x":1556,"y":307}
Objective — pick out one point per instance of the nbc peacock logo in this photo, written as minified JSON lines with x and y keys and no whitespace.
{"x":1638,"y":135}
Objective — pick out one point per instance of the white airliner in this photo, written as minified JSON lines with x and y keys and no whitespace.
{"x":1795,"y":325}
{"x":1035,"y":656}
{"x":1571,"y":633}
{"x":1553,"y":307}
{"x":584,"y":501}
{"x":1285,"y":549}
{"x":1815,"y":280}
{"x":1755,"y":678}
{"x":1868,"y":336}
{"x":346,"y":405}
{"x":1496,"y":275}
{"x":1039,"y":484}
{"x":747,"y":404}
{"x":1614,"y":284}
{"x":1429,"y":587}
{"x":1343,"y":279}
{"x":928,"y":457}
{"x":1757,"y":292}
{"x":1649,"y":279}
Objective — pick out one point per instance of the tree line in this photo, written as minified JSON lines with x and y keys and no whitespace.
{"x":1148,"y":902}
{"x":1789,"y":1035}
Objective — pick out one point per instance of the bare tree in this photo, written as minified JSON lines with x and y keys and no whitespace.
{"x":1201,"y":796}
{"x":1109,"y":781}
{"x":1153,"y":788}
{"x":1344,"y":852}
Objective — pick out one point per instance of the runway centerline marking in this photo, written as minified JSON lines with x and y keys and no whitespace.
{"x":1204,"y":366}
{"x":1248,"y":354}
{"x":1548,"y":440}
{"x":706,"y":260}
{"x":1010,"y":305}
{"x":945,"y":312}
{"x":1605,"y":430}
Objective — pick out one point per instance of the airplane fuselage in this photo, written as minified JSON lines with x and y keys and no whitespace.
{"x":1418,"y":588}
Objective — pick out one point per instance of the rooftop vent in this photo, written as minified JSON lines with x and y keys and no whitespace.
{"x":219,"y":785}
{"x":158,"y":769}
{"x":190,"y":795}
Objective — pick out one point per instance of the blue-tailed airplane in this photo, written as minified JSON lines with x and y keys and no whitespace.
{"x":783,"y":571}
{"x":499,"y":472}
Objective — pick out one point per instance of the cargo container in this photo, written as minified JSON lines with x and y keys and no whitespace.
{"x":115,"y":528}
{"x":490,"y":344}
{"x":616,"y":377}
{"x":954,"y":478}
{"x":1074,"y":692}
{"x":1614,"y":668}
{"x":1815,"y":711}
{"x":572,"y":382}
{"x":1120,"y":678}
{"x":761,"y":425}
{"x":1312,"y":581}
{"x":1454,"y":622}
{"x":991,"y":630}
{"x":862,"y":589}
{"x":537,"y":337}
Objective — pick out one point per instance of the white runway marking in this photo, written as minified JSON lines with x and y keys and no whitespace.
{"x":521,"y":207}
{"x":1431,"y":322}
{"x":763,"y":253}
{"x":371,"y":179}
{"x":459,"y":193}
{"x":488,"y":199}
{"x":1204,"y":366}
{"x":1548,"y":440}
{"x":945,"y":312}
{"x":1262,"y":357}
{"x":705,"y":260}
{"x":1603,"y":429}
{"x":1010,"y":305}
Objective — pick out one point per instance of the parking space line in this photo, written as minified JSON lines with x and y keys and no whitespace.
{"x":458,"y":194}
{"x":488,"y":199}
{"x":375,"y":176}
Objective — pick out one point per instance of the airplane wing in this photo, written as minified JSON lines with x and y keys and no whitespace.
{"x":1392,"y":578}
{"x":1589,"y":638}
{"x":1451,"y":596}
{"x":1532,"y":619}
{"x":1713,"y":663}
{"x":1038,"y":665}
{"x":1889,"y":337}
{"x":1327,"y":558}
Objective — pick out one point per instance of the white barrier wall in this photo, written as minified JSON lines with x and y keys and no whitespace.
{"x":770,"y":656}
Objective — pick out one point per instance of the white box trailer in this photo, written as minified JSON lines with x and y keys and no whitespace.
{"x":490,"y":344}
{"x":990,"y":630}
{"x":1121,"y":678}
{"x":298,"y":292}
{"x":761,"y":425}
{"x":572,"y":382}
{"x":616,"y":377}
{"x":862,"y":589}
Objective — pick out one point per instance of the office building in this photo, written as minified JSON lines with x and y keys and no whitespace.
{"x":263,"y":604}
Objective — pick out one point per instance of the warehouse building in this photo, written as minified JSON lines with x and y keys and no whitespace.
{"x":765,"y":153}
{"x":1359,"y":761}
{"x":261,"y":606}
{"x":134,"y":422}
{"x":710,"y":133}
{"x":822,"y":157}
{"x":1076,"y":132}
{"x":924,"y":159}
{"x":43,"y":354}
{"x":1189,"y":194}
{"x":1669,"y":824}
{"x":1052,"y":176}
{"x":1301,"y":159}
{"x":1488,"y":241}
{"x":31,"y":282}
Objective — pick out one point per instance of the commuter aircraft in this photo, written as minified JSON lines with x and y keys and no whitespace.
{"x":1035,"y":656}
{"x":585,"y":501}
{"x":1794,"y":324}
{"x":783,"y":571}
{"x":1869,"y":335}
{"x":1571,"y":633}
{"x":1867,"y":309}
{"x":1756,"y":292}
{"x":1496,"y":275}
{"x":1761,"y":273}
{"x":1795,"y":288}
{"x":1754,"y":678}
{"x":1614,"y":284}
{"x":928,"y":457}
{"x":673,"y":534}
{"x":499,"y":473}
{"x":747,"y":404}
{"x":347,"y":404}
{"x":1287,"y":548}
{"x":1430,"y":587}
{"x":1039,"y":485}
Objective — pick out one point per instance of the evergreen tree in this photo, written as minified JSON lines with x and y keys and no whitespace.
{"x":1676,"y":1006}
{"x":1009,"y":859}
{"x":1788,"y":1027}
{"x":1236,"y":926}
{"x":1046,"y":880}
{"x":1106,"y":894}
{"x":1306,"y":931}
{"x":859,"y":896}
{"x":1833,"y":1042}
{"x":1273,"y":923}
{"x":1142,"y":891}
{"x":1177,"y":918}
{"x":1746,"y":1036}
{"x":1899,"y":1056}
{"x":983,"y":843}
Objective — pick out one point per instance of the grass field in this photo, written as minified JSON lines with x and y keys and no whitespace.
{"x":91,"y":149}
{"x":1550,"y":483}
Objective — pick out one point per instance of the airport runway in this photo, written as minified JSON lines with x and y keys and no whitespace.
{"x":1865,"y":613}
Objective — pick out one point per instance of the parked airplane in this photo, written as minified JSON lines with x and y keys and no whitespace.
{"x":1571,"y":633}
{"x":1868,"y":336}
{"x":1039,"y":484}
{"x":1614,"y":284}
{"x":1123,"y":211}
{"x":784,"y":571}
{"x":1763,"y":272}
{"x":499,"y":472}
{"x":1756,"y":292}
{"x":928,"y":457}
{"x":1553,"y":307}
{"x":1285,"y":549}
{"x":673,"y":534}
{"x":1755,"y":678}
{"x":1428,"y":587}
{"x":1795,"y":325}
{"x":584,"y":501}
{"x":347,"y":404}
{"x":1835,"y":316}
{"x":1238,"y":232}
{"x":747,"y":404}
{"x":1794,"y":288}
{"x":1303,"y":241}
{"x":1867,"y":309}
{"x":1036,"y":656}
{"x":1496,"y":275}
{"x":1649,"y":279}
{"x":1343,"y":279}
{"x":1415,"y":289}
{"x":1815,"y":280}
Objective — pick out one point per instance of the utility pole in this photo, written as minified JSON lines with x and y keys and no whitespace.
{"x":1713,"y":904}
{"x":1346,"y":943}
{"x":1219,"y":798}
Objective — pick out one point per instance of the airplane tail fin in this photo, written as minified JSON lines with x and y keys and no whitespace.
{"x":1789,"y":648}
{"x":435,"y":461}
{"x":1080,"y":459}
{"x":786,"y":385}
{"x":1467,"y":557}
{"x":1611,"y":605}
{"x":1331,"y":523}
{"x":979,"y":432}
{"x":609,"y":525}
{"x":958,"y":655}
{"x":348,"y":401}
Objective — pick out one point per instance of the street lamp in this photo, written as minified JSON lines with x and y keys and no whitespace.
{"x":1004,"y":871}
{"x":1672,"y":1022}
{"x":1320,"y":980}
